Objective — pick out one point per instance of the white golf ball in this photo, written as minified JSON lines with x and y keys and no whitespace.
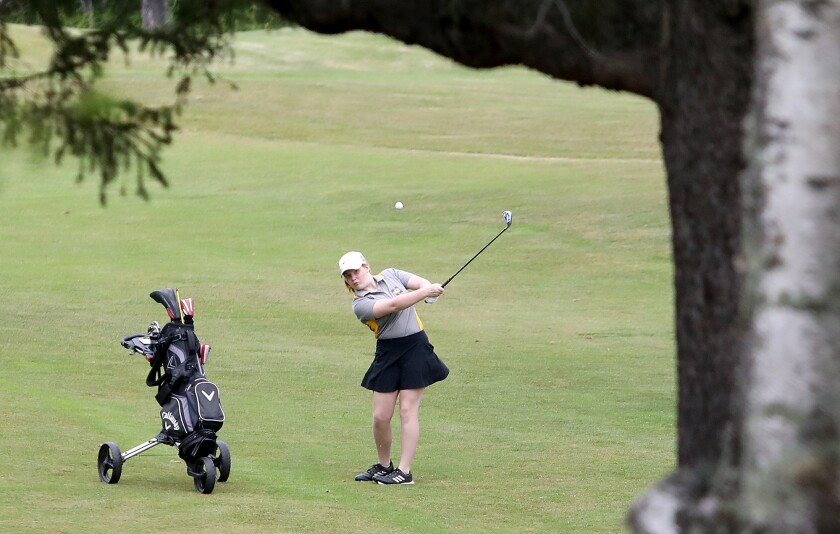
{"x":398,"y":205}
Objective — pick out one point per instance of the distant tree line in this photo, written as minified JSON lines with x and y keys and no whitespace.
{"x":151,"y":14}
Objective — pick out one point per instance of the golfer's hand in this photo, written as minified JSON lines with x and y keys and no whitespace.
{"x":434,"y":291}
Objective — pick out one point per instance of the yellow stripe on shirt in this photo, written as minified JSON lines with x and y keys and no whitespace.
{"x":372,"y":324}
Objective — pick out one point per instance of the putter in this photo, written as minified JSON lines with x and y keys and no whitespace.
{"x":508,"y":217}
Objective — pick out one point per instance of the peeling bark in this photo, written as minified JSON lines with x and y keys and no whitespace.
{"x":791,"y":459}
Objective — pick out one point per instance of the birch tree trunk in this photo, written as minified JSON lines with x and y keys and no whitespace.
{"x":155,"y":14}
{"x":791,"y":436}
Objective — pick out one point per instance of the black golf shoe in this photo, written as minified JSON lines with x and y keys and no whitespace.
{"x":394,"y":477}
{"x":373,"y":471}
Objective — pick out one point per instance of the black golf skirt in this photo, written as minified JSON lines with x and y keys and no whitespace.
{"x":406,"y":362}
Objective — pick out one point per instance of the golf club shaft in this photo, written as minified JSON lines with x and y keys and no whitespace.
{"x":474,"y":257}
{"x":432,"y":300}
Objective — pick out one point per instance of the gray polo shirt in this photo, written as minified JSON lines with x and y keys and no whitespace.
{"x":390,"y":283}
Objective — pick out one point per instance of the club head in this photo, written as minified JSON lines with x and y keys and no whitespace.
{"x":508,"y":218}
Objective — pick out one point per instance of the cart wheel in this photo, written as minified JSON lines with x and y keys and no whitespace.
{"x":110,"y":463}
{"x":205,"y":479}
{"x":222,"y":460}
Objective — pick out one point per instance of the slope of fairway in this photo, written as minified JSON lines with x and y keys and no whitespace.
{"x":559,"y":409}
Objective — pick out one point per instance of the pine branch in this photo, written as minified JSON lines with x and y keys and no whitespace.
{"x":62,"y":111}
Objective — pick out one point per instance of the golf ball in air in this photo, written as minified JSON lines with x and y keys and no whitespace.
{"x":398,"y":205}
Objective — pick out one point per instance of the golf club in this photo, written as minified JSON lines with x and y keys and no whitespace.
{"x":508,"y":217}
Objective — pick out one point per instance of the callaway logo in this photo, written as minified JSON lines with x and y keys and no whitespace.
{"x":210,"y":396}
{"x":167,"y":416}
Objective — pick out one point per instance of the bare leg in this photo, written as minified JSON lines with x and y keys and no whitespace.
{"x":383,"y":411}
{"x":410,"y":429}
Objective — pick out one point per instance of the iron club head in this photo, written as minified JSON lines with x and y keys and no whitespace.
{"x":508,"y":217}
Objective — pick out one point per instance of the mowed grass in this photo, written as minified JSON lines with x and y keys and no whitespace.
{"x":559,"y":409}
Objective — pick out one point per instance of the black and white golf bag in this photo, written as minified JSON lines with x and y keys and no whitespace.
{"x":191,"y":410}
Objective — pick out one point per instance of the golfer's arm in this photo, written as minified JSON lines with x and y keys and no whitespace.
{"x":417,"y":282}
{"x":385,"y":306}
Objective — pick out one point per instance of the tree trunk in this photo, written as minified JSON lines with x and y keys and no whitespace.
{"x":704,"y":95}
{"x":87,"y":7}
{"x":791,"y":434}
{"x":155,"y":14}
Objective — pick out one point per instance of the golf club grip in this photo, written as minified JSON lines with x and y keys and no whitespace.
{"x":432,"y":300}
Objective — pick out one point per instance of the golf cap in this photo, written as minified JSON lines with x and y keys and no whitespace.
{"x":351,"y":260}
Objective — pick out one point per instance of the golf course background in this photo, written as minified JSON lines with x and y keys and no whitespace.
{"x":560,"y":406}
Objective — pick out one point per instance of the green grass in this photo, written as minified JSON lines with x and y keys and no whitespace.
{"x":559,"y":409}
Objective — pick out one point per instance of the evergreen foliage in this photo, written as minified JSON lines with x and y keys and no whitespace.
{"x":58,"y":108}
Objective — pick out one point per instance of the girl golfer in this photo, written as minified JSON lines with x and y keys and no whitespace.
{"x":404,"y":364}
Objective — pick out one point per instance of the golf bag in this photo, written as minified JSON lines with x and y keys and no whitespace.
{"x":191,"y":410}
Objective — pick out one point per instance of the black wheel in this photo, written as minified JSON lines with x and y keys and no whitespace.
{"x":110,"y":463}
{"x":222,"y":460}
{"x":205,"y":478}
